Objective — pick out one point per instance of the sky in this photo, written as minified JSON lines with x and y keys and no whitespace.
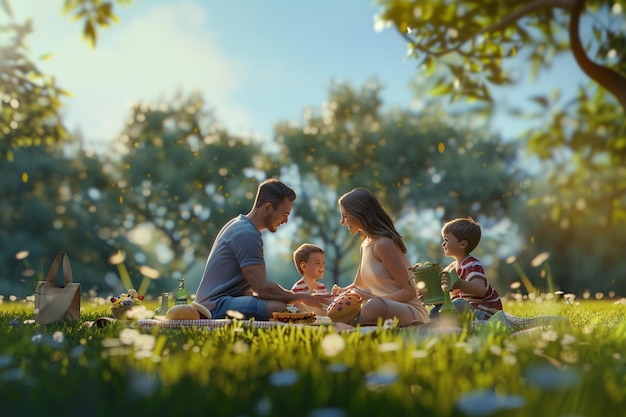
{"x":256,"y":62}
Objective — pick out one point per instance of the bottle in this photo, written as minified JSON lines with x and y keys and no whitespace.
{"x":181,"y":292}
{"x":447,"y":306}
{"x":160,"y":311}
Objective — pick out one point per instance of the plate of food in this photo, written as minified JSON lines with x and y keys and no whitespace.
{"x":294,"y":317}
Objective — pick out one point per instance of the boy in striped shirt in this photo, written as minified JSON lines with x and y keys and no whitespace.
{"x":472,"y":293}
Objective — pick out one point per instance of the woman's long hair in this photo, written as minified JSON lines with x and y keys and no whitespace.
{"x":363,"y":205}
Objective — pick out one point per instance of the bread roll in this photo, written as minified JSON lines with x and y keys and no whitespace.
{"x":182,"y":312}
{"x":345,"y":308}
{"x":205,"y":313}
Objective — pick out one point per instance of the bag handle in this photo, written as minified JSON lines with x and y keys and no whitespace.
{"x":54,"y":269}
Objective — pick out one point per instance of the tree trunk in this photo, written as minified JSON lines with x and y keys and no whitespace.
{"x":611,"y":80}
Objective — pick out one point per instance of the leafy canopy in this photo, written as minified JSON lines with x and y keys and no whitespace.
{"x":472,"y":39}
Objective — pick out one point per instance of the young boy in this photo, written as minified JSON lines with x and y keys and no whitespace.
{"x":472,"y":293}
{"x":309,"y":261}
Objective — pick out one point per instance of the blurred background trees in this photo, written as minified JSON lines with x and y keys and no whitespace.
{"x":576,"y":206}
{"x":30,"y":101}
{"x":178,"y":178}
{"x":52,"y":200}
{"x":174,"y":176}
{"x":414,"y":162}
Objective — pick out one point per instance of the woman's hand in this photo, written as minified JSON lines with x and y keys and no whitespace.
{"x":363,"y":294}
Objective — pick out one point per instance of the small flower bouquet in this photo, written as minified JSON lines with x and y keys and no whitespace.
{"x":124,"y":302}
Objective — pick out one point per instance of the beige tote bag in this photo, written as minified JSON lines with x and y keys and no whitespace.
{"x":57,"y":303}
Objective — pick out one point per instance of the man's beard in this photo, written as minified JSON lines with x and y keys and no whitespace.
{"x":268,"y":224}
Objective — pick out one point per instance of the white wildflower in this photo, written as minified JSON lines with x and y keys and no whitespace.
{"x":333,"y":344}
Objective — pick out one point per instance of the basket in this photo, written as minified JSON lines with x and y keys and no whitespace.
{"x":120,"y":312}
{"x":124,"y":302}
{"x":428,"y":280}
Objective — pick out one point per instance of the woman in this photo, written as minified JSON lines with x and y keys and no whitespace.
{"x":383,"y":279}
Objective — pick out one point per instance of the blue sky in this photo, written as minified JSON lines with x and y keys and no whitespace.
{"x":256,"y":62}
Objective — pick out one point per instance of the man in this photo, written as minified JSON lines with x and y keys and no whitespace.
{"x":234,"y":277}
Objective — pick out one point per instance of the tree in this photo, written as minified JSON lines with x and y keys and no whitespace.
{"x":178,"y":177}
{"x":579,"y":143}
{"x":411,"y":161}
{"x":473,"y":38}
{"x":585,"y":246}
{"x":30,"y":101}
{"x":52,"y":201}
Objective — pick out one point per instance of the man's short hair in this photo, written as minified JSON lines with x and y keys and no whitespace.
{"x":273,"y":191}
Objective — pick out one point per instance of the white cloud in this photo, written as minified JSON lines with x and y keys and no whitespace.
{"x":155,"y":52}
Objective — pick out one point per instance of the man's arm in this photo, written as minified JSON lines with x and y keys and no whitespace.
{"x":267,"y":290}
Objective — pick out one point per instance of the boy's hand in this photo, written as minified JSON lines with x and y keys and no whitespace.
{"x":336,"y":290}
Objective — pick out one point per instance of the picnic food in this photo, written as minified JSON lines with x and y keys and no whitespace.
{"x":182,"y":312}
{"x":345,"y":308}
{"x":124,"y":302}
{"x":291,"y":317}
{"x":205,"y":313}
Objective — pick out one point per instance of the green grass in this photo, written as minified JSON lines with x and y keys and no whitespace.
{"x":241,"y":370}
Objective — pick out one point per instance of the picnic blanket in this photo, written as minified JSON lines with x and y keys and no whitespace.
{"x":148,"y":324}
{"x":501,"y":320}
{"x":517,"y":325}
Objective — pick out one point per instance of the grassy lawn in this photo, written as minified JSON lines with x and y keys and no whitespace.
{"x":243,"y":370}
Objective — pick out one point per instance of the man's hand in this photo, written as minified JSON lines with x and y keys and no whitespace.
{"x":318,"y":300}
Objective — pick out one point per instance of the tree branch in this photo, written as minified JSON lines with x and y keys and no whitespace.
{"x":523,"y":12}
{"x":503,"y":23}
{"x":611,"y":80}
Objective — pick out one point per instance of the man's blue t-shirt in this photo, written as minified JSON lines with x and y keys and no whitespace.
{"x":237,"y":245}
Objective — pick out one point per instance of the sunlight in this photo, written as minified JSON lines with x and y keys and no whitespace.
{"x":141,"y":235}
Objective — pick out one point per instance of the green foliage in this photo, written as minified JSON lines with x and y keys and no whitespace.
{"x":579,"y":205}
{"x":413,"y":161}
{"x":576,"y":204}
{"x":239,"y":369}
{"x":30,"y":101}
{"x":52,"y":202}
{"x":179,"y":178}
{"x":473,"y":39}
{"x":94,"y":14}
